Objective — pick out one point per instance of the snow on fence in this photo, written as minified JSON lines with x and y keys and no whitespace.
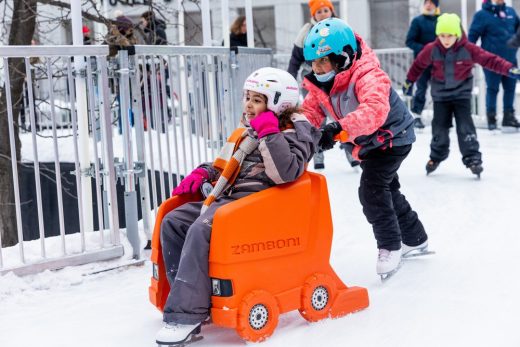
{"x":159,"y":109}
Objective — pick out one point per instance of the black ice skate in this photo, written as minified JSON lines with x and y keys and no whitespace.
{"x":431,"y":166}
{"x":492,"y":120}
{"x":510,"y":123}
{"x":476,"y":169}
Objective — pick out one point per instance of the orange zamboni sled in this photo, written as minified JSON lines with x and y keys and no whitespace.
{"x":275,"y":265}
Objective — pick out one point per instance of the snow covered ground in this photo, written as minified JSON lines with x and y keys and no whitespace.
{"x":465,"y":295}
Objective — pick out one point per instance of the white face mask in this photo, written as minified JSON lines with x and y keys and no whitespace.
{"x":326,"y":76}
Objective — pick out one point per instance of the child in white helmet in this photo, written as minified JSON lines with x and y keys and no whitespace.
{"x":271,"y":146}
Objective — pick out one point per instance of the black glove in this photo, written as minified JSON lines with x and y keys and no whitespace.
{"x":327,"y":135}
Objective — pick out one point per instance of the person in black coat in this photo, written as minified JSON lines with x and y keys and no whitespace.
{"x":238,"y":32}
{"x":154,"y":29}
{"x":422,"y":32}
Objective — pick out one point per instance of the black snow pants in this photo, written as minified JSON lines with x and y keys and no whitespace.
{"x":443,"y":114}
{"x":392,"y":218}
{"x":185,"y":239}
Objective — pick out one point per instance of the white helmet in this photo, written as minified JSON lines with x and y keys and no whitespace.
{"x":279,"y":86}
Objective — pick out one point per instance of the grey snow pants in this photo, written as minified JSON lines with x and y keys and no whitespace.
{"x":185,"y":238}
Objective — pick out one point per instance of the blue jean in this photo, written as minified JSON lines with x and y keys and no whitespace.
{"x":493,"y":82}
{"x":419,"y":98}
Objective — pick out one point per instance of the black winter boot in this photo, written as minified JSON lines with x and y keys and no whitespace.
{"x":510,"y":121}
{"x":492,"y":120}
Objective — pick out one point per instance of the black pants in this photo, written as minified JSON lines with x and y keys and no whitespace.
{"x":391,"y":216}
{"x":443,"y":113}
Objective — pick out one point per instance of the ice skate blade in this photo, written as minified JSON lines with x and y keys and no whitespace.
{"x":189,"y":340}
{"x":509,"y":130}
{"x":386,"y":276}
{"x":417,"y":253}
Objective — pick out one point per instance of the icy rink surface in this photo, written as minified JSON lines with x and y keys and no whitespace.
{"x":465,"y":295}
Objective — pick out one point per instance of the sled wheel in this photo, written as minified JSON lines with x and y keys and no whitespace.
{"x":318,"y":294}
{"x":257,"y":316}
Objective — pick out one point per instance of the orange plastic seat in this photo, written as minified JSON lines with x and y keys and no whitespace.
{"x":269,"y":255}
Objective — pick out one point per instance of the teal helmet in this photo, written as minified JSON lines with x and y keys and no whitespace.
{"x":328,"y":36}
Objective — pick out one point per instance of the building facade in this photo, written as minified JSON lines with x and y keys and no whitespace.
{"x":382,"y":23}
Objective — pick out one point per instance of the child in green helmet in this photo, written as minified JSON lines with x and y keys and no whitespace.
{"x":452,"y":58}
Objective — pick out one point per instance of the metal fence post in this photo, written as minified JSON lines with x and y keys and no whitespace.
{"x":106,"y":133}
{"x":137,"y":108}
{"x":132,"y":232}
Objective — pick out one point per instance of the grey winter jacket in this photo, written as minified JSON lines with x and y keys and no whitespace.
{"x":279,"y":158}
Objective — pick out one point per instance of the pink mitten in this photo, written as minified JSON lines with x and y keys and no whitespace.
{"x":266,"y":123}
{"x":192,"y":182}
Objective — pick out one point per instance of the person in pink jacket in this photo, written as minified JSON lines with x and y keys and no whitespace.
{"x":348,"y":86}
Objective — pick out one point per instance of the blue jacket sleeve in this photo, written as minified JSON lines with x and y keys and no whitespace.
{"x":476,"y":29}
{"x":412,"y":38}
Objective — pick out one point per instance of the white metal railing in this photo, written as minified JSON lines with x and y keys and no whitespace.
{"x":56,"y":60}
{"x":152,"y":117}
